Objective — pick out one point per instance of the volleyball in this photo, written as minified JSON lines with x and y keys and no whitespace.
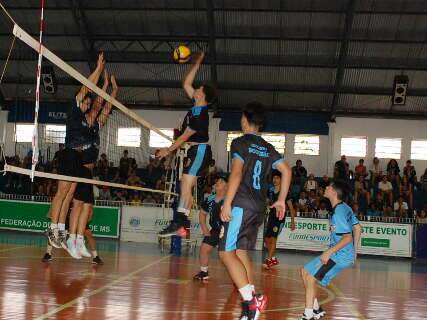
{"x":181,"y":54}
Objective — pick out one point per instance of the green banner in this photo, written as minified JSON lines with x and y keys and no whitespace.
{"x":32,"y":216}
{"x":378,"y":243}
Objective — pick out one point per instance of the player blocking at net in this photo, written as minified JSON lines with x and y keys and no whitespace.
{"x":245,"y":204}
{"x":70,"y":160}
{"x":194,"y":138}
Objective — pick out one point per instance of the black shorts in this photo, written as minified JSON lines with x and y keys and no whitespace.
{"x":84,"y":191}
{"x":274,"y":225}
{"x":242,"y":231}
{"x":197,"y":161}
{"x":90,"y":155}
{"x":213,"y":239}
{"x":70,"y":162}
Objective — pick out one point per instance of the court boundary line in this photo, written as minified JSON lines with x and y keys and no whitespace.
{"x":339,"y":294}
{"x":100,"y":289}
{"x":14,"y":248}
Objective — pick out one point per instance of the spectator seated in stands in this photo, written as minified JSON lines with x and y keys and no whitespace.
{"x":401,"y":208}
{"x":311,"y":184}
{"x":372,"y":211}
{"x":406,"y":190}
{"x":135,"y":198}
{"x":124,"y":166}
{"x":120,"y":195}
{"x":302,"y":203}
{"x":361,"y":189}
{"x":40,"y":190}
{"x":376,"y":171}
{"x":342,"y":169}
{"x":149,"y":199}
{"x":102,"y":167}
{"x":161,"y":184}
{"x":299,"y":173}
{"x":382,"y":205}
{"x":104,"y":193}
{"x":133,"y":179}
{"x":422,"y":216}
{"x":323,"y":211}
{"x":324,"y":182}
{"x":409,"y":172}
{"x":360,"y":170}
{"x":386,"y":189}
{"x":357,"y":212}
{"x":313,"y":201}
{"x":393,"y":172}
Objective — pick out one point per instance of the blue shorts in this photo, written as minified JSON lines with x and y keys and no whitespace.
{"x":241,"y":232}
{"x":324,"y":273}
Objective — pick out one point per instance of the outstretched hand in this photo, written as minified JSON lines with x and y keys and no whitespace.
{"x":106,"y":79}
{"x":101,"y":61}
{"x":198,"y":57}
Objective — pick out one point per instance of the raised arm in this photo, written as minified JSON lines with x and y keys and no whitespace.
{"x":97,"y":104}
{"x":103,"y":117}
{"x":94,"y":77}
{"x":187,"y":83}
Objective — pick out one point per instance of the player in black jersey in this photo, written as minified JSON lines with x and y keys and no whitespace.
{"x":83,"y":197}
{"x":70,"y":159}
{"x":212,"y":207}
{"x":245,"y":204}
{"x":274,"y":224}
{"x":195,"y":134}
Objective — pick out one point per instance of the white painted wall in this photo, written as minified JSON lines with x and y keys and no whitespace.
{"x":378,"y":128}
{"x":330,"y":147}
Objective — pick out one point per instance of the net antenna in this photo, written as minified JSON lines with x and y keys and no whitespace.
{"x":21,"y":34}
{"x":35,"y":139}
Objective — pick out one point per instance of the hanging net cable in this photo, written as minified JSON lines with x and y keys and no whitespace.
{"x":120,"y":116}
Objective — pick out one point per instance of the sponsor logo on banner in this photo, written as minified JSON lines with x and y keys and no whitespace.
{"x":377,"y":238}
{"x":135,"y":222}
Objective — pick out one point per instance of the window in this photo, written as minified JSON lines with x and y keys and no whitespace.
{"x":307,"y":144}
{"x":419,"y":149}
{"x":157,"y":141}
{"x":129,"y":137}
{"x":388,"y":148}
{"x":55,"y":133}
{"x":353,"y":146}
{"x":278,"y":140}
{"x":24,"y":132}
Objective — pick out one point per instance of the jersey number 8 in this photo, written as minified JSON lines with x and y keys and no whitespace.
{"x":256,"y":176}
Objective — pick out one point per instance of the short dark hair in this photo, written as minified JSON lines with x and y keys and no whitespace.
{"x":341,"y":188}
{"x":276,"y":173}
{"x":209,"y":89}
{"x":255,"y":114}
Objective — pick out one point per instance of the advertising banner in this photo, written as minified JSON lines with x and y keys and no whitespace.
{"x":32,"y":216}
{"x":378,"y":238}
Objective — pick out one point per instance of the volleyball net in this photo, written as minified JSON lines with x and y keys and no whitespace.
{"x":124,"y":132}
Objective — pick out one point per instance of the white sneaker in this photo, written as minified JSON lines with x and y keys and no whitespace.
{"x":82,"y":250}
{"x":72,"y":249}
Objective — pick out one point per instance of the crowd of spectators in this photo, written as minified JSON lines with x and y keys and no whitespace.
{"x":374,"y":191}
{"x":152,"y":176}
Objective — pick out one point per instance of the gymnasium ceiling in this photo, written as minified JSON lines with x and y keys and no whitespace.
{"x":338,"y":56}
